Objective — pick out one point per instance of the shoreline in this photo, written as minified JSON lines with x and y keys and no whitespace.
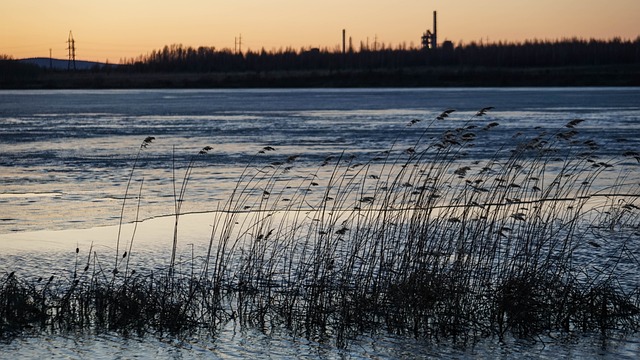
{"x":582,"y":76}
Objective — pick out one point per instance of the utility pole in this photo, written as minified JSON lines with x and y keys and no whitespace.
{"x":71,"y":46}
{"x":50,"y":60}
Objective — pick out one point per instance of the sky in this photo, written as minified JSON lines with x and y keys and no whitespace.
{"x":122,"y":29}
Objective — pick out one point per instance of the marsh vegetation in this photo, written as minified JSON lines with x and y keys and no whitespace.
{"x":423,"y":241}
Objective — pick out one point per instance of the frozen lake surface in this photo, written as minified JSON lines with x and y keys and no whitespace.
{"x":66,"y":157}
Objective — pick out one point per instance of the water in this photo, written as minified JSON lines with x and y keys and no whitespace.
{"x":251,"y":344}
{"x":66,"y":157}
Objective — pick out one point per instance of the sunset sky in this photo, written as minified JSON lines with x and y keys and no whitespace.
{"x":116,"y":29}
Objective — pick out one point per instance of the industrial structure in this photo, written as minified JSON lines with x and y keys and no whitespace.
{"x":430,"y":38}
{"x":71,"y":46}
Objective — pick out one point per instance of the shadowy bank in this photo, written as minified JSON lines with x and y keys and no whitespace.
{"x":24,"y":76}
{"x":569,"y":62}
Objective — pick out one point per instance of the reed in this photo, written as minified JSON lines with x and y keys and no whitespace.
{"x":148,"y":140}
{"x":420,"y":241}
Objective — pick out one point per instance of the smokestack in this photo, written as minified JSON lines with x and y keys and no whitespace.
{"x":434,"y":43}
{"x":344,"y":44}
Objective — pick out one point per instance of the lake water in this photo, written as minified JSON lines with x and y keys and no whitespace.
{"x":66,"y":157}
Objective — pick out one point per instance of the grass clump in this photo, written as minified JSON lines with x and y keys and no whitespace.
{"x":420,"y":240}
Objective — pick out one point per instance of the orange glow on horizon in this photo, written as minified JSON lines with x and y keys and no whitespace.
{"x":123,"y":29}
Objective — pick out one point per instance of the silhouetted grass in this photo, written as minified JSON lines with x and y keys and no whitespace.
{"x":418,"y":241}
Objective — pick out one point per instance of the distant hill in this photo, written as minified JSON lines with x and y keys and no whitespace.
{"x":59,"y":64}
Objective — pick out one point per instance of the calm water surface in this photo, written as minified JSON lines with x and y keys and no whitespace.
{"x":66,"y":156}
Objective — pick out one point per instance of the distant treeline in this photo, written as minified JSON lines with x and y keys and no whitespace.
{"x":572,"y":62}
{"x":535,"y":53}
{"x":12,"y":71}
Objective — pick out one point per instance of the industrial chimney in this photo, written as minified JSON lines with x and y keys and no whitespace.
{"x":430,"y":38}
{"x":344,"y":43}
{"x":434,"y":39}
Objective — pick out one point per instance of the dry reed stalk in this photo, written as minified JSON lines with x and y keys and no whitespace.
{"x":419,"y":241}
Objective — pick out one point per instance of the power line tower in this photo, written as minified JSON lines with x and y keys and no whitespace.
{"x":238,"y":45}
{"x":71,"y":46}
